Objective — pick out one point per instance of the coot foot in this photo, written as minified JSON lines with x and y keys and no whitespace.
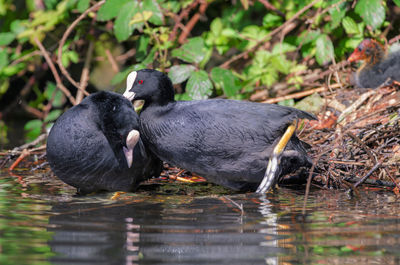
{"x":272,"y":172}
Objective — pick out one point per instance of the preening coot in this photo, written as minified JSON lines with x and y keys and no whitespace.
{"x":96,"y":146}
{"x":378,"y":66}
{"x":228,"y":142}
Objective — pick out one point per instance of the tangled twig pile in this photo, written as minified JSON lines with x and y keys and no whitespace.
{"x":358,"y":139}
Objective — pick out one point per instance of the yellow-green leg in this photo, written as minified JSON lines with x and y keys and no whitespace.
{"x":273,"y":164}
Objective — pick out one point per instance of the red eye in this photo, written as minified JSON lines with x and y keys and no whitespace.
{"x":140,"y":82}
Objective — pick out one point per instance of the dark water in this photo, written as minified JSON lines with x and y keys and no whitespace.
{"x":42,"y":223}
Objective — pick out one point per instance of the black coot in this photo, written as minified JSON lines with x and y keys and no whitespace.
{"x":228,"y":142}
{"x":96,"y":146}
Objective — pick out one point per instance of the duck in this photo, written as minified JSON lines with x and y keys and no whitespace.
{"x":96,"y":146}
{"x":228,"y":142}
{"x":379,"y":68}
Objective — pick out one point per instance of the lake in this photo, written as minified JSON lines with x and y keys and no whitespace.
{"x":42,"y":222}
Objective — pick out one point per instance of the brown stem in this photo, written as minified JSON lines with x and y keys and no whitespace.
{"x":39,"y":139}
{"x":35,"y":112}
{"x":21,"y":157}
{"x":126,"y":55}
{"x":85,"y":73}
{"x":297,"y":95}
{"x":54,"y":71}
{"x":64,"y":39}
{"x":185,"y":12}
{"x":112,"y":61}
{"x":192,"y":22}
{"x":269,"y":6}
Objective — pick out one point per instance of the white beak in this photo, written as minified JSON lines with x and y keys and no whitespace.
{"x":129,"y":95}
{"x":129,"y":84}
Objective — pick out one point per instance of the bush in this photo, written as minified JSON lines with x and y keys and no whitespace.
{"x":209,"y":48}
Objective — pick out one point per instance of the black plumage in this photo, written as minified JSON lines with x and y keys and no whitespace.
{"x":92,"y":144}
{"x":228,"y":142}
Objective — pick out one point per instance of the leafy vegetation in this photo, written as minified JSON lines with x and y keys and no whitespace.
{"x":208,"y":47}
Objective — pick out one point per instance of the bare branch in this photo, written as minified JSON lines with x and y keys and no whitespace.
{"x":54,"y":71}
{"x":64,"y":39}
{"x":112,"y":61}
{"x":192,"y":22}
{"x":85,"y":73}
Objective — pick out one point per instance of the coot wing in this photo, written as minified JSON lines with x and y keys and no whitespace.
{"x":216,"y":133}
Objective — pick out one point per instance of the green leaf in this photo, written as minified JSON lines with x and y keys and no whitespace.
{"x":352,"y":43}
{"x":397,"y":2}
{"x":217,"y":26}
{"x":180,"y":73}
{"x":371,"y":11}
{"x":350,"y":26}
{"x":53,"y":115}
{"x":183,"y":96}
{"x":313,"y":103}
{"x":270,"y":77}
{"x":283,"y":47}
{"x":270,"y":21}
{"x":83,"y":5}
{"x":65,"y":59}
{"x":199,"y":85}
{"x":229,"y":33}
{"x":141,"y":48}
{"x":11,"y":70}
{"x":17,"y":27}
{"x":287,"y":102}
{"x":150,"y":57}
{"x":192,"y":52}
{"x":110,"y":9}
{"x":50,"y":4}
{"x":225,"y":79}
{"x":33,"y":129}
{"x":58,"y":97}
{"x":3,"y":133}
{"x":3,"y":58}
{"x":73,"y":56}
{"x":254,"y":32}
{"x":6,"y":38}
{"x":308,"y":37}
{"x":280,"y":63}
{"x":140,"y":17}
{"x":120,"y":76}
{"x":4,"y":85}
{"x":122,"y":28}
{"x":337,"y":13}
{"x":151,"y":5}
{"x":324,"y":49}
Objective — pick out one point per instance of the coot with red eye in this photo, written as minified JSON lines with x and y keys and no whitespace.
{"x":96,"y":146}
{"x":378,"y":66}
{"x":227,"y":141}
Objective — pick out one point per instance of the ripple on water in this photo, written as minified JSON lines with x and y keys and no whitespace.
{"x":42,"y":222}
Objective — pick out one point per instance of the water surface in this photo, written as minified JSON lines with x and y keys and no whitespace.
{"x":42,"y":222}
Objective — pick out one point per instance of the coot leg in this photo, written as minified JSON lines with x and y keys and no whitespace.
{"x":270,"y":176}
